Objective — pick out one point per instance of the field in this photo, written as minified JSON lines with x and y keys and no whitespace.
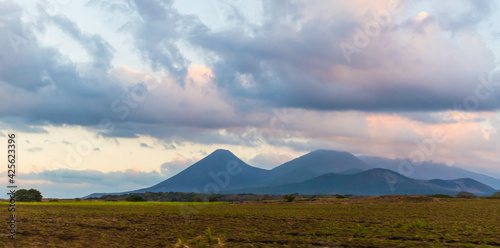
{"x":366,"y":222}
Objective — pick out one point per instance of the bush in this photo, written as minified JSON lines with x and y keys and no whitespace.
{"x":465,"y":194}
{"x":496,"y":194}
{"x":78,"y":199}
{"x":441,"y":196}
{"x":31,"y":195}
{"x":54,"y":200}
{"x":265,"y":198}
{"x":212,"y":199}
{"x":340,"y":197}
{"x":134,"y":198}
{"x":197,"y":199}
{"x":289,"y":198}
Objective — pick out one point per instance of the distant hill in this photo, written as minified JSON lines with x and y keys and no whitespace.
{"x":374,"y":182}
{"x":314,"y":164}
{"x":319,"y":172}
{"x":429,"y":170}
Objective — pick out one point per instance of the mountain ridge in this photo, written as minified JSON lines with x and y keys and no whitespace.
{"x":376,"y":181}
{"x":222,"y":171}
{"x":429,"y":170}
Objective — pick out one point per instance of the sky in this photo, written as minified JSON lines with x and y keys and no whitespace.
{"x":110,"y":96}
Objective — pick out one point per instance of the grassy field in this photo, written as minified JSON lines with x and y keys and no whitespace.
{"x":367,"y":222}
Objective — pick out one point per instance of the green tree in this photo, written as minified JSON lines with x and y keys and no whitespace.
{"x":289,"y":198}
{"x":442,"y":196}
{"x":212,"y":199}
{"x":31,"y":195}
{"x":134,"y":198}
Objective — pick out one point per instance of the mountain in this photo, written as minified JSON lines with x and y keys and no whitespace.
{"x":373,"y":182}
{"x":220,"y":170}
{"x":429,"y":170}
{"x":318,"y":172}
{"x":315,"y":164}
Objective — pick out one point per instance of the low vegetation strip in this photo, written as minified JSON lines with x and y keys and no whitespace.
{"x":366,"y":222}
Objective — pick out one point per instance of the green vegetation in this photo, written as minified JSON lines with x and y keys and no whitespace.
{"x":384,"y":221}
{"x":340,"y":197}
{"x":289,"y":198}
{"x":442,"y":196}
{"x":31,"y":195}
{"x":212,"y":199}
{"x":197,"y":197}
{"x":134,"y":198}
{"x":496,"y":194}
{"x":465,"y":194}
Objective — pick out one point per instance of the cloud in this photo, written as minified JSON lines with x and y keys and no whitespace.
{"x":248,"y":70}
{"x":392,"y":74}
{"x":96,"y":46}
{"x":425,"y":62}
{"x":176,"y":165}
{"x":156,"y":41}
{"x":93,"y":177}
{"x":469,"y":16}
{"x":145,"y":145}
{"x":270,"y":160}
{"x":35,"y":149}
{"x":169,"y":146}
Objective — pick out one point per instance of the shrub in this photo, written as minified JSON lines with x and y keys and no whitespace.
{"x":289,"y":198}
{"x":465,"y":194}
{"x":442,"y":196}
{"x":265,"y":198}
{"x":496,"y":194}
{"x":212,"y":199}
{"x":78,"y":199}
{"x":31,"y":195}
{"x":197,"y":199}
{"x":54,"y":200}
{"x":134,"y":198}
{"x":340,"y":197}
